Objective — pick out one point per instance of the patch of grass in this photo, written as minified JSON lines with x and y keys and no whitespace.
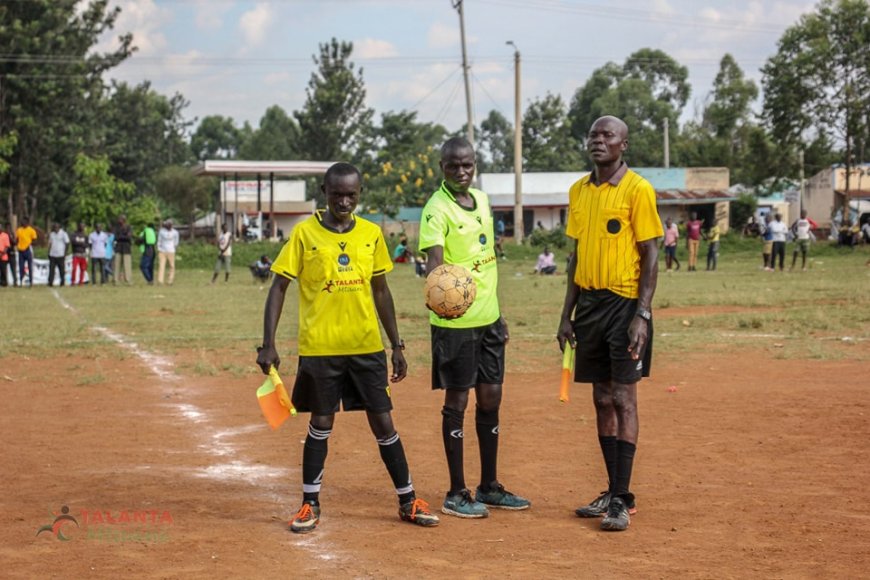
{"x":97,"y":379}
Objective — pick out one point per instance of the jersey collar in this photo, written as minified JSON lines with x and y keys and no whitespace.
{"x":319,"y":215}
{"x":452,"y":198}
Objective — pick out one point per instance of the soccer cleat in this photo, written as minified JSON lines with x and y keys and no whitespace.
{"x":463,"y":506}
{"x":306,"y":519}
{"x":499,"y":497}
{"x":598,"y":507}
{"x":617,"y":518}
{"x":417,"y":512}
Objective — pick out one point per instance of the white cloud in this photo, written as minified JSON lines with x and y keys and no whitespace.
{"x":143,"y":18}
{"x":374,"y":48}
{"x":210,"y":14}
{"x":255,"y":23}
{"x":441,"y":35}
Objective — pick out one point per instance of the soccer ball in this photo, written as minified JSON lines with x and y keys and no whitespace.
{"x":450,"y":290}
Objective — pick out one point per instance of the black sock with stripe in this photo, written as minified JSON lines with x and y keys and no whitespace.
{"x":313,"y":462}
{"x":393,"y":456}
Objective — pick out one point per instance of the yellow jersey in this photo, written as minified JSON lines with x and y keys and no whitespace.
{"x":608,"y":221}
{"x":25,"y":235}
{"x":334,"y":270}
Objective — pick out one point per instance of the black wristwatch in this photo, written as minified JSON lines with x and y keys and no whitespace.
{"x":400,"y":345}
{"x":644,"y":313}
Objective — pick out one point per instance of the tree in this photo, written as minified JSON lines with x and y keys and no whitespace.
{"x":96,"y":192}
{"x":51,"y":85}
{"x":817,"y":85}
{"x":187,"y":194}
{"x":649,"y":88}
{"x":334,"y":117}
{"x":216,"y":138}
{"x":495,"y":144}
{"x":731,"y":99}
{"x":143,"y":131}
{"x":277,"y":138}
{"x":547,"y":141}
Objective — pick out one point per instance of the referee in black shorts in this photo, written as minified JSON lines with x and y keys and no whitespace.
{"x":611,"y":282}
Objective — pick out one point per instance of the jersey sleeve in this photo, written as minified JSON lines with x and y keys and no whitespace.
{"x":644,"y":215}
{"x":289,"y":262}
{"x":382,"y":262}
{"x":433,"y":227}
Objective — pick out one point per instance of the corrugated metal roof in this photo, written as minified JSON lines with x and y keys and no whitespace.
{"x":264,"y":168}
{"x":692,"y":197}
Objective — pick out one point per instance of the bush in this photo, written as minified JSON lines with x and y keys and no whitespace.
{"x":742,"y":209}
{"x":554,"y":238}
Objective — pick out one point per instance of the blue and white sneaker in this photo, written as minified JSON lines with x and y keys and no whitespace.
{"x":463,"y":506}
{"x":498,"y":497}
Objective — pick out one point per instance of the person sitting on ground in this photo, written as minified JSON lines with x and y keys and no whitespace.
{"x":262,"y":268}
{"x":420,"y":265}
{"x":546,"y":263}
{"x":402,"y":254}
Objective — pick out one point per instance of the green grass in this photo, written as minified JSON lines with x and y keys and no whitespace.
{"x":215,"y":329}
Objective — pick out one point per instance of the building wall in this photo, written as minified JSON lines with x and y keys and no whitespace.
{"x":819,"y":197}
{"x":708,"y":178}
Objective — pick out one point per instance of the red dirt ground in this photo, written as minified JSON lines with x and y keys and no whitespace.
{"x":752,"y":468}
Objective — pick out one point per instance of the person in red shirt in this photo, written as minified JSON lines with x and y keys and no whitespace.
{"x":693,"y":239}
{"x":5,"y":246}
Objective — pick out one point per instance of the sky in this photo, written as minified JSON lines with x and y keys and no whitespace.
{"x":236,"y":58}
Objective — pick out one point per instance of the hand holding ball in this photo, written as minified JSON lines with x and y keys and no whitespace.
{"x":450,"y":290}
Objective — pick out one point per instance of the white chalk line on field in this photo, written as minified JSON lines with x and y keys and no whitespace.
{"x":217,"y":443}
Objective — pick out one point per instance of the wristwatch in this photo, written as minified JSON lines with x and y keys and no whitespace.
{"x":644,"y":313}
{"x":400,"y":345}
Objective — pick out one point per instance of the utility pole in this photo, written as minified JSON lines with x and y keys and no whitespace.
{"x":667,"y":145}
{"x":518,"y":149}
{"x":458,"y":4}
{"x":801,"y":199}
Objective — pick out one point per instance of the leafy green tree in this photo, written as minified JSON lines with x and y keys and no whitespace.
{"x":649,"y":88}
{"x":96,"y":191}
{"x":817,"y":85}
{"x":731,"y":99}
{"x":334,"y":119}
{"x":495,"y":144}
{"x":188,"y":195}
{"x":548,"y":144}
{"x":216,"y":137}
{"x":144,"y":131}
{"x":51,"y":86}
{"x":276,"y":139}
{"x":7,"y":146}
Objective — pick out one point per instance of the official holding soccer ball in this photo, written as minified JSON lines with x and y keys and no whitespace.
{"x":468,"y":351}
{"x":611,"y":281}
{"x":340,"y":263}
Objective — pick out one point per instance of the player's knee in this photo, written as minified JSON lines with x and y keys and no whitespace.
{"x":485,"y":416}
{"x":624,"y":401}
{"x":456,"y":399}
{"x":452,"y":415}
{"x":322,"y":422}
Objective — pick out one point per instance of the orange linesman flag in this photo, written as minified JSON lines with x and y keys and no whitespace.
{"x":567,"y":371}
{"x":274,"y":401}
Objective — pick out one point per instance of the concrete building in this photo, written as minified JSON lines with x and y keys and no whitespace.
{"x":826,"y":192}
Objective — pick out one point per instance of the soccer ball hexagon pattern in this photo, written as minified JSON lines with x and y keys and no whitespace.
{"x":450,"y":290}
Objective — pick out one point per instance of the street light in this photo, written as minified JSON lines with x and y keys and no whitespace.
{"x":518,"y":149}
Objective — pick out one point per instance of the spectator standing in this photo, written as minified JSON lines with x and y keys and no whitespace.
{"x":802,"y":229}
{"x":147,"y":243}
{"x":693,"y":239}
{"x":712,"y":237}
{"x":123,"y":251}
{"x":5,"y":248}
{"x":225,"y":254}
{"x":767,"y":242}
{"x":79,"y":242}
{"x":167,"y":244}
{"x":10,"y":254}
{"x":672,"y":236}
{"x":58,"y":240}
{"x":25,"y":236}
{"x":98,"y":240}
{"x":779,"y":231}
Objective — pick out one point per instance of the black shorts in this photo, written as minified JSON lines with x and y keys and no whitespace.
{"x":356,"y":381}
{"x":463,"y":358}
{"x":601,"y":321}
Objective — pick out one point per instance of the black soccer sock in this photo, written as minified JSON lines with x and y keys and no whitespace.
{"x":623,"y":468}
{"x":610,"y":451}
{"x":393,"y":456}
{"x":487,"y":437}
{"x":452,"y":433}
{"x":313,"y":461}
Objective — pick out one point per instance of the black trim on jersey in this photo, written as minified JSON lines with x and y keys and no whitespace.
{"x":287,"y":275}
{"x":319,"y":215}
{"x":379,"y":272}
{"x":453,"y":198}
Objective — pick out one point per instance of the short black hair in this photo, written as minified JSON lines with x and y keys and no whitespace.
{"x":456,"y":143}
{"x":341,"y":169}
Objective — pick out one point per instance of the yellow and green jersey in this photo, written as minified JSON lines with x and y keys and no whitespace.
{"x":608,"y":221}
{"x":468,"y":240}
{"x":334,"y":270}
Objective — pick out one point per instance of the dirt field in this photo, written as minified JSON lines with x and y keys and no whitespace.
{"x":753,"y":468}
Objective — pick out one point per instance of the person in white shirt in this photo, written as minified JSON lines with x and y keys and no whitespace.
{"x":225,"y":255}
{"x":803,"y":233}
{"x":546,"y":262}
{"x":167,"y":243}
{"x":98,"y":241}
{"x":779,"y":231}
{"x":58,"y":240}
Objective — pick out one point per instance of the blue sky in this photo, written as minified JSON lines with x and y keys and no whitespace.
{"x":238,"y":57}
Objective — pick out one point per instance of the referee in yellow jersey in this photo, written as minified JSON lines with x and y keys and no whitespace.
{"x":340,"y":263}
{"x":611,"y":282}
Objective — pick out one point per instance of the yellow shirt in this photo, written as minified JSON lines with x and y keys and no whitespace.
{"x":713,"y":234}
{"x":25,"y":235}
{"x":608,"y":221}
{"x":336,"y":311}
